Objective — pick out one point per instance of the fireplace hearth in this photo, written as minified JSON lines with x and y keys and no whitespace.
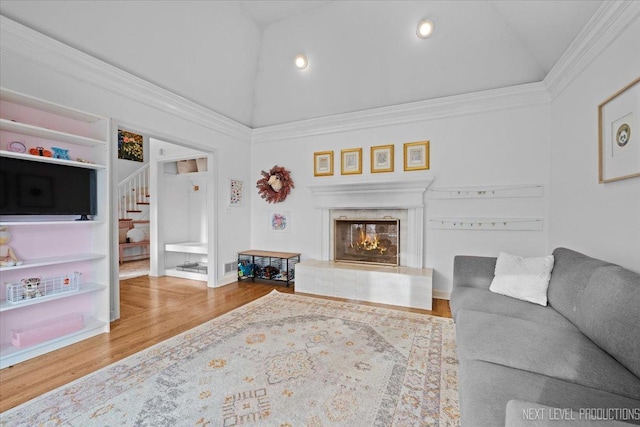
{"x":367,"y":241}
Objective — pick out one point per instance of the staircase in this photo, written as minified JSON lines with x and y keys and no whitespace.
{"x":133,"y":195}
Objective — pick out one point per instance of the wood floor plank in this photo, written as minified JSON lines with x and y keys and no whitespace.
{"x":152,"y":310}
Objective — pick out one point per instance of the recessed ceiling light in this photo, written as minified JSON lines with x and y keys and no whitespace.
{"x":425,"y":28}
{"x":301,"y":61}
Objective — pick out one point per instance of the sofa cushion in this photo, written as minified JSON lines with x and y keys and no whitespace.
{"x":569,"y":278}
{"x":464,"y":298}
{"x":522,"y":278}
{"x":563,"y":353}
{"x":486,"y":388}
{"x":473,"y":271}
{"x":609,"y":314}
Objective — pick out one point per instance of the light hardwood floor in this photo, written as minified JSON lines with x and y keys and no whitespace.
{"x":152,"y":310}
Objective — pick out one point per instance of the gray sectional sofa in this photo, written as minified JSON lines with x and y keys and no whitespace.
{"x":573,"y":362}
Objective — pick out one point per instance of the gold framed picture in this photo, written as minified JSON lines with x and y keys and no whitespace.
{"x":618,"y":131}
{"x":382,"y":158}
{"x":323,"y":163}
{"x":351,"y":161}
{"x":416,"y":156}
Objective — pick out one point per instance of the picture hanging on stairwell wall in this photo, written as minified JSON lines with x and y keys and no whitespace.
{"x":130,"y":146}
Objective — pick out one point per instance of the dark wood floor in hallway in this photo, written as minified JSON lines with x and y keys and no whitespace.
{"x":152,"y":310}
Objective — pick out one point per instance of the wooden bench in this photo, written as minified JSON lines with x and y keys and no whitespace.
{"x":126,"y":225}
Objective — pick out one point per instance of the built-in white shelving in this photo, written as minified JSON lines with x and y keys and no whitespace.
{"x":35,"y":122}
{"x":187,"y":247}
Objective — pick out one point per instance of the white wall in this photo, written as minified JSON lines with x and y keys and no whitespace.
{"x":601,"y":220}
{"x":503,"y":147}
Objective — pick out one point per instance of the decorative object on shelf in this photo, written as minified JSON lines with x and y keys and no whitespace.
{"x":30,"y":287}
{"x":187,"y":166}
{"x":618,"y":139}
{"x":323,"y":163}
{"x":17,"y":147}
{"x":275,"y":185}
{"x":382,"y":158}
{"x":38,"y":287}
{"x":60,"y":153}
{"x":416,"y":156}
{"x":280,"y":221}
{"x":40,"y":151}
{"x":130,"y":146}
{"x":351,"y":161}
{"x":8,"y":257}
{"x":236,"y":192}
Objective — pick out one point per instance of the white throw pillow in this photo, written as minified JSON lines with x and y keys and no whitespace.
{"x":526,"y":279}
{"x":135,"y":235}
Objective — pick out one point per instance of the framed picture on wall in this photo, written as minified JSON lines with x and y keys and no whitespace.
{"x":323,"y":163}
{"x":130,"y":146}
{"x":280,"y":221}
{"x":351,"y":161}
{"x":416,"y":156}
{"x":382,"y":158}
{"x":619,"y":134}
{"x":236,"y":192}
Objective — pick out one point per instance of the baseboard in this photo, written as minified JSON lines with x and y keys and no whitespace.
{"x":227,"y":278}
{"x":438,"y":294}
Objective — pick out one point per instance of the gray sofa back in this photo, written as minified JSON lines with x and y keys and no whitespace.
{"x":602,"y":300}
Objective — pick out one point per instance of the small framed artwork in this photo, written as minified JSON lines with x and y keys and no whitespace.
{"x":382,"y":158}
{"x":236,"y":192}
{"x":619,"y":135}
{"x":351,"y":161}
{"x":323,"y":163}
{"x":130,"y":146}
{"x":416,"y":156}
{"x":280,"y":222}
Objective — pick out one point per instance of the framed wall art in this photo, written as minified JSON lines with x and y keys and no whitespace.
{"x":382,"y":158}
{"x":416,"y":156}
{"x":236,"y":192}
{"x":280,"y":222}
{"x":130,"y":146}
{"x":323,"y":163}
{"x":351,"y":161}
{"x":619,"y":135}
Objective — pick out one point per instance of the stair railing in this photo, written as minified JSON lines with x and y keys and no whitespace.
{"x":132,"y":191}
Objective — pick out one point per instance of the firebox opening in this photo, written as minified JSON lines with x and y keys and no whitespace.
{"x":367,"y":241}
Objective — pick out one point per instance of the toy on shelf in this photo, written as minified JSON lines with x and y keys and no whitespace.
{"x":8,"y":257}
{"x":40,"y":151}
{"x":60,"y":153}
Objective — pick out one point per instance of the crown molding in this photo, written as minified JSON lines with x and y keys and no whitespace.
{"x":451,"y":106}
{"x":604,"y":27}
{"x":54,"y":55}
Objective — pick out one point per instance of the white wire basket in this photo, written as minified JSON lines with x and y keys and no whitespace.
{"x":35,"y":287}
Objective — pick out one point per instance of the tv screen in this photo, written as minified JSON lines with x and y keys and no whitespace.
{"x":37,"y":188}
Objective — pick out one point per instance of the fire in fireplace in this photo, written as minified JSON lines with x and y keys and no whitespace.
{"x":367,"y":241}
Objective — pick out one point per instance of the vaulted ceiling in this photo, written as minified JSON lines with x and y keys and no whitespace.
{"x":236,"y":57}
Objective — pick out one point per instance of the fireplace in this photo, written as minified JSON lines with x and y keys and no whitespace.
{"x":367,"y":241}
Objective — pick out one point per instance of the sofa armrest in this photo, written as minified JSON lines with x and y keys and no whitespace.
{"x":473,"y":271}
{"x":527,"y":414}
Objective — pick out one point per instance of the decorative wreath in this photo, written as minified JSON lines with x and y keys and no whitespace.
{"x":275,"y":185}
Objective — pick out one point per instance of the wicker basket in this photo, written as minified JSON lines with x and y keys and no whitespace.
{"x":187,"y":166}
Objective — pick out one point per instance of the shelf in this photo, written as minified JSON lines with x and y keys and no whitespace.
{"x":84,"y":289}
{"x":25,"y":129}
{"x":187,"y":247}
{"x":173,"y":272}
{"x":8,"y":351}
{"x":53,"y":261}
{"x":31,"y":102}
{"x":43,"y":159}
{"x":50,"y":222}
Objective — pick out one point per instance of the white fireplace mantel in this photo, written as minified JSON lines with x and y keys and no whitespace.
{"x":407,"y":195}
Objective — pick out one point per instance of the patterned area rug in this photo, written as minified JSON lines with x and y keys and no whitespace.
{"x":283,"y":360}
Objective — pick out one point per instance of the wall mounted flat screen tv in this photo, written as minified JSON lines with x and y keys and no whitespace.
{"x":37,"y":188}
